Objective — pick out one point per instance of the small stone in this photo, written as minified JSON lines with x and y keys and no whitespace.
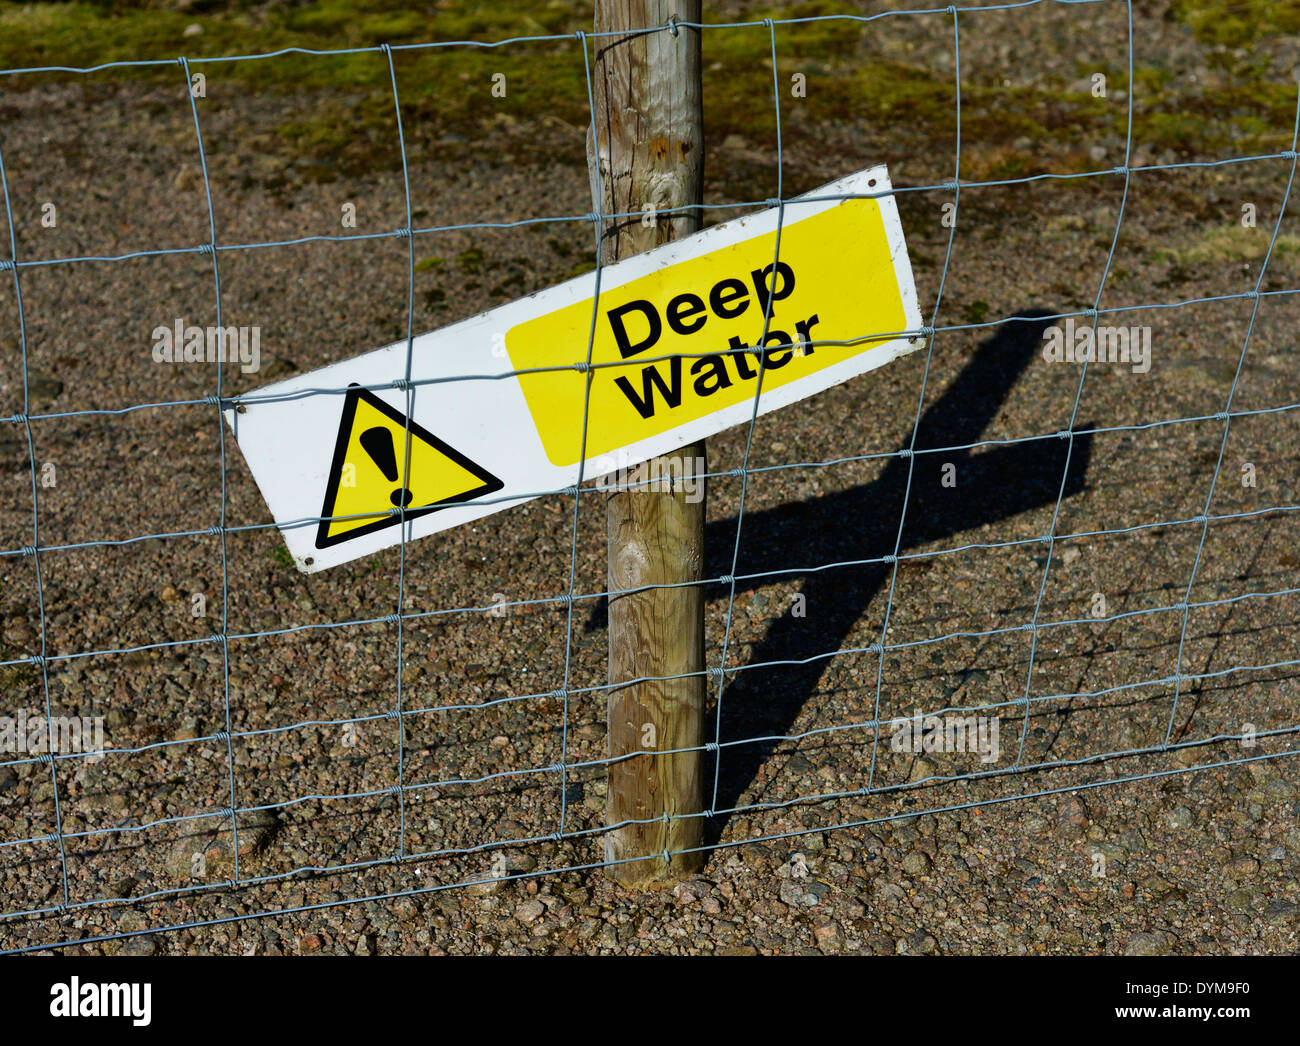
{"x":1072,"y":812}
{"x":691,"y":890}
{"x":916,"y":863}
{"x":486,"y":888}
{"x":1147,"y":944}
{"x":827,"y":932}
{"x":1242,"y":868}
{"x":193,"y":29}
{"x":1178,"y":818}
{"x":922,"y":768}
{"x":205,"y":850}
{"x":519,"y":863}
{"x":530,"y":911}
{"x":309,"y":943}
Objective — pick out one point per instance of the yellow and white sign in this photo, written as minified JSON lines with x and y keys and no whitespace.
{"x":791,"y":300}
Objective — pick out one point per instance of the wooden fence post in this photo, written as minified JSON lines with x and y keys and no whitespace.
{"x":647,"y":137}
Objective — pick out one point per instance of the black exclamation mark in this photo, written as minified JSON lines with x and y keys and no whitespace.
{"x":378,"y":443}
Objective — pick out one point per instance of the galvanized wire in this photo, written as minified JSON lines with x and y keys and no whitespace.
{"x":721,"y":672}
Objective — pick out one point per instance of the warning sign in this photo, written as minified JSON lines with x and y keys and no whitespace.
{"x":678,"y":344}
{"x":685,"y":330}
{"x":372,"y":473}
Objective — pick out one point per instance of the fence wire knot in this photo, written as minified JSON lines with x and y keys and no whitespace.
{"x":28,"y":550}
{"x":37,"y":660}
{"x":6,"y":265}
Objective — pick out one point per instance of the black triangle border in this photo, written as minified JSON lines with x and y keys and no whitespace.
{"x":355,"y":393}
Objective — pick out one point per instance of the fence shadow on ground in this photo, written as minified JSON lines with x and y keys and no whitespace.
{"x":862,"y":523}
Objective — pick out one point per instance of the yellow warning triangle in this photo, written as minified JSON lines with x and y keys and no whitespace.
{"x":369,"y":475}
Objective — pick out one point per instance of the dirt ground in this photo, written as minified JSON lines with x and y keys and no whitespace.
{"x":1100,"y":843}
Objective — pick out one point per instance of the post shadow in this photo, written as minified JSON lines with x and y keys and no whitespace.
{"x":862,"y":523}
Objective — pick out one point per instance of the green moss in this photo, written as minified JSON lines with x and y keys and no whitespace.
{"x":1229,"y":244}
{"x":470,"y":260}
{"x":1236,"y":23}
{"x":425,"y":264}
{"x":340,"y":116}
{"x":14,"y":678}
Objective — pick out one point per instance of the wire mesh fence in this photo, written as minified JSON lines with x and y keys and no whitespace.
{"x":970,"y":726}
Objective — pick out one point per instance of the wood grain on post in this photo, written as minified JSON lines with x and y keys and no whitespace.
{"x":648,"y":139}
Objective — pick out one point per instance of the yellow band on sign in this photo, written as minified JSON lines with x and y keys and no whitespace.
{"x":834,"y":281}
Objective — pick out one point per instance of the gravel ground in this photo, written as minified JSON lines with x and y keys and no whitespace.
{"x":1204,"y":862}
